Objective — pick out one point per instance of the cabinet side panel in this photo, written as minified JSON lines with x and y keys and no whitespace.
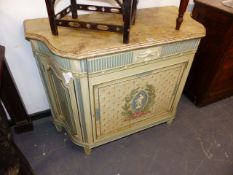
{"x":61,"y":94}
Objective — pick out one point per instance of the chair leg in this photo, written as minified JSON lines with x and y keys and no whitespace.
{"x":73,"y":9}
{"x":51,"y":14}
{"x":127,"y":19}
{"x":135,"y":4}
{"x":182,"y":9}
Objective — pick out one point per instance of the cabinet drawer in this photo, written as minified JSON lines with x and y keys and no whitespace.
{"x":228,"y":58}
{"x":228,"y":62}
{"x":159,"y":53}
{"x":223,"y":81}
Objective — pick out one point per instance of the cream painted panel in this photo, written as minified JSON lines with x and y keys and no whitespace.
{"x":62,"y":97}
{"x":113,"y":93}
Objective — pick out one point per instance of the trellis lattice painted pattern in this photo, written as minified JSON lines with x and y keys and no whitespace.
{"x":115,"y":100}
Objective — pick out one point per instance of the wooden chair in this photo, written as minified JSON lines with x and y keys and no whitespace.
{"x":127,"y":8}
{"x":11,"y":99}
{"x":12,"y":161}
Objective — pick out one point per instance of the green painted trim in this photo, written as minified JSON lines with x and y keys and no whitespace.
{"x":109,"y":62}
{"x":81,"y":108}
{"x":179,"y":47}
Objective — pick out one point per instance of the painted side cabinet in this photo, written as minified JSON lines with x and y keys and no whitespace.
{"x":100,"y":89}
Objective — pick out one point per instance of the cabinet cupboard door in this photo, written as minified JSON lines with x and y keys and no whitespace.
{"x":127,"y":103}
{"x":61,"y":96}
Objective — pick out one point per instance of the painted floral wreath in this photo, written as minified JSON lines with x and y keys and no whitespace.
{"x":138,"y":102}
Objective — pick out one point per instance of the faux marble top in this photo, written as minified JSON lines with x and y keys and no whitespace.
{"x":154,"y":26}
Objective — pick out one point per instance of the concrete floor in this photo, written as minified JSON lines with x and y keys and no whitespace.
{"x":199,"y":142}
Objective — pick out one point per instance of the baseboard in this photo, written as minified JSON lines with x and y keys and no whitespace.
{"x":26,"y":126}
{"x":34,"y":116}
{"x":40,"y":115}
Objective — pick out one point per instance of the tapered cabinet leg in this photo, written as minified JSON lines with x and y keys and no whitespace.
{"x":127,"y":16}
{"x":182,"y":9}
{"x":58,"y":128}
{"x":87,"y":151}
{"x":169,"y":122}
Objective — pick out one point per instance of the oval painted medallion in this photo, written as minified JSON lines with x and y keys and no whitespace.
{"x":139,"y":101}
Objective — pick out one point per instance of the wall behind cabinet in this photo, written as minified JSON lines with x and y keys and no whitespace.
{"x":18,"y":51}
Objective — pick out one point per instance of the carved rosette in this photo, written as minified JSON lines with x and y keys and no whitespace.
{"x":147,"y":54}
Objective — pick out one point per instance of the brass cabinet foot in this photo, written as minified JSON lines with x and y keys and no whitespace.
{"x":87,"y":151}
{"x":169,"y":122}
{"x":58,"y":128}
